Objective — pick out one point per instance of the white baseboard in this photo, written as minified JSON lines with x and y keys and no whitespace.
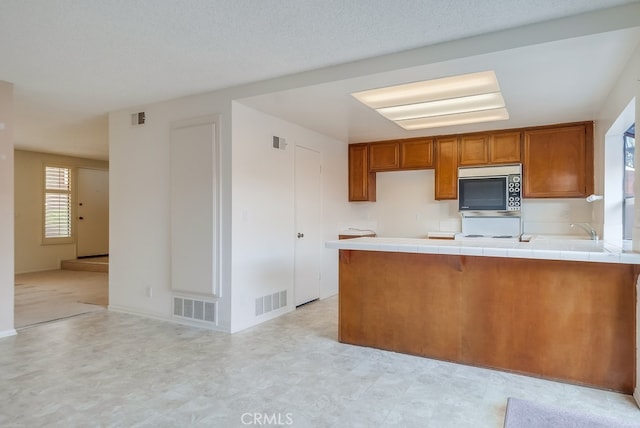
{"x":206,"y":326}
{"x":159,"y":317}
{"x":40,"y":269}
{"x":131,"y":311}
{"x":264,"y":318}
{"x":8,"y":333}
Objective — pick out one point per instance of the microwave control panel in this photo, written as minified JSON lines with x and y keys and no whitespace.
{"x":514,"y":192}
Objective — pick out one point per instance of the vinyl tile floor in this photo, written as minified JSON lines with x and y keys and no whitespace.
{"x":111,"y":369}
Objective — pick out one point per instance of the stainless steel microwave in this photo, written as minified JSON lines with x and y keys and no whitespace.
{"x":490,"y":188}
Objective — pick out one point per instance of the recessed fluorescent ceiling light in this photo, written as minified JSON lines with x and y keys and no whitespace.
{"x":468,"y":98}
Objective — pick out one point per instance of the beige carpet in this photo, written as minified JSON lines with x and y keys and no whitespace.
{"x":51,"y":295}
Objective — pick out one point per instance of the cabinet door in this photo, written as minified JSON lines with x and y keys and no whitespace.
{"x":416,"y":154}
{"x":362,"y":183}
{"x":474,"y":150}
{"x":384,"y":156}
{"x":504,"y":148}
{"x":446,"y":168}
{"x":558,"y":162}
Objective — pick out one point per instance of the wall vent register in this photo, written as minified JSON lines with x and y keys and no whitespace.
{"x":194,"y":309}
{"x":138,"y":119}
{"x":271,"y":302}
{"x":279,"y":143}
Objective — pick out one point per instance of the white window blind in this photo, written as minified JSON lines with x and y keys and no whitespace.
{"x":57,"y":202}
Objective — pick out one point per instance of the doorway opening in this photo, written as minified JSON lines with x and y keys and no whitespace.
{"x":62,"y":212}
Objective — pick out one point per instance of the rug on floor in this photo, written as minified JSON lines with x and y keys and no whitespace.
{"x":527,"y":414}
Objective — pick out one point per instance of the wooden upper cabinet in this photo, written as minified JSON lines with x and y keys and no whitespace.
{"x":362,"y":183}
{"x":474,"y":150}
{"x":416,"y":153}
{"x":486,"y":149}
{"x":384,"y":156}
{"x":505,"y":148}
{"x":558,"y":162}
{"x":446,"y":168}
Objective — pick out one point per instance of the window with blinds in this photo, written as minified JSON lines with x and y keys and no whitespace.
{"x":57,"y":203}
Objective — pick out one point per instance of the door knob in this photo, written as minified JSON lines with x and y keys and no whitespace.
{"x":300,"y":235}
{"x":80,"y":218}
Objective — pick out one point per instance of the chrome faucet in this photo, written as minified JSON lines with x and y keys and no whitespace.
{"x":587,"y":228}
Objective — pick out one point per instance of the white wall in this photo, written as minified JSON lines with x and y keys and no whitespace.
{"x":554,"y":216}
{"x":263,"y":214}
{"x":6,"y":209}
{"x":608,"y":149}
{"x":406,"y":207}
{"x":140,"y":205}
{"x":259,"y":223}
{"x":30,"y":254}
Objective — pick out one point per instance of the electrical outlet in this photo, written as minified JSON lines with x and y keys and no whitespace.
{"x":149,"y":292}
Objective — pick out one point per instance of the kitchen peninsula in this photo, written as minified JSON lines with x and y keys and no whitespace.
{"x":557,"y":309}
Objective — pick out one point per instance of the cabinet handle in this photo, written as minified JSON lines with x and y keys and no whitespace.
{"x":300,"y":235}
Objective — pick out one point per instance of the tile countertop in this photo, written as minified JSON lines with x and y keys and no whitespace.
{"x":539,"y":248}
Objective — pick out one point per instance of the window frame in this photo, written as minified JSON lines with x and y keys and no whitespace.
{"x":55,"y":240}
{"x":627,"y":235}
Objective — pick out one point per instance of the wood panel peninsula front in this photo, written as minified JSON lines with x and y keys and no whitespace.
{"x":563,"y":310}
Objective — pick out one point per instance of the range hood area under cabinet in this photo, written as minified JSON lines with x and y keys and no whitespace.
{"x":557,"y":160}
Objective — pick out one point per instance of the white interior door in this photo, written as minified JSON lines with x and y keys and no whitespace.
{"x":308,"y":239}
{"x":92,"y":212}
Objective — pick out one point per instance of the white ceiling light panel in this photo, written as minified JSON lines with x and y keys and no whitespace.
{"x":454,"y":119}
{"x":455,"y":100}
{"x":444,"y":107}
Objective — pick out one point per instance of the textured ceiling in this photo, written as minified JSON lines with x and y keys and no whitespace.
{"x":72,"y":61}
{"x":543,"y":83}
